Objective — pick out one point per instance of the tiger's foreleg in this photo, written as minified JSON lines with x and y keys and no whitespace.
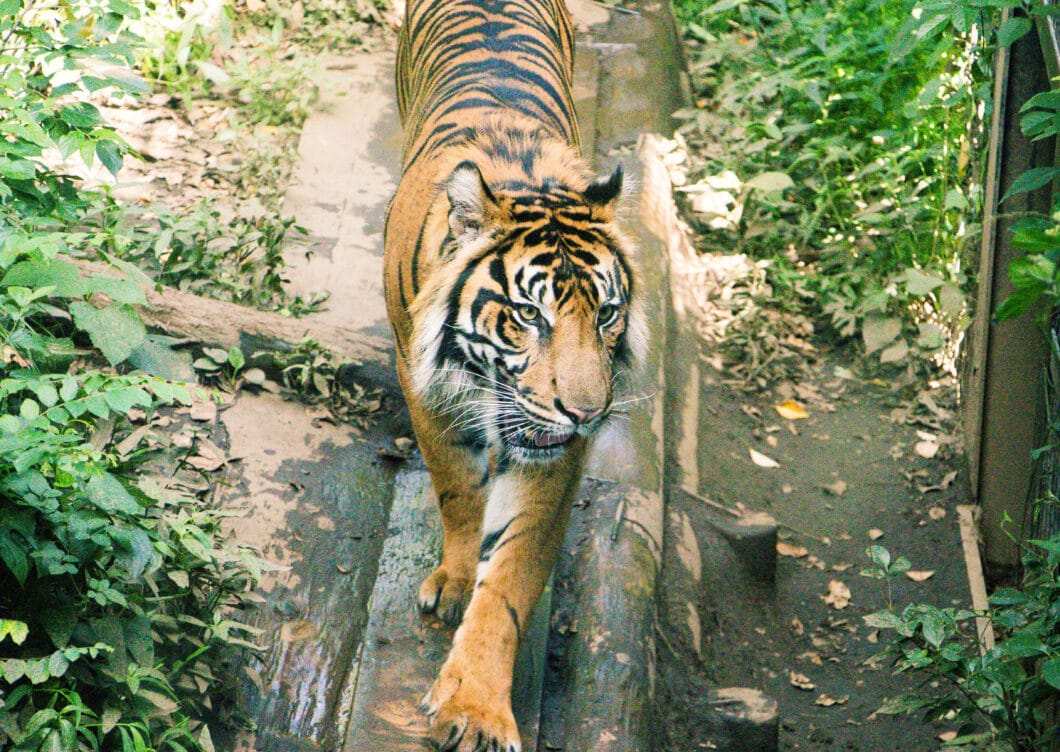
{"x":523,"y":530}
{"x":458,"y":474}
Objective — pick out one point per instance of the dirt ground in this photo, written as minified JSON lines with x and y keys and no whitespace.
{"x":849,"y":476}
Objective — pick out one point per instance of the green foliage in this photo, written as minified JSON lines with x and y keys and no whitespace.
{"x":52,"y":57}
{"x":209,"y":252}
{"x":862,"y":118}
{"x":1009,"y":686}
{"x":117,"y":591}
{"x":137,"y":586}
{"x":312,"y":373}
{"x":1034,"y":275}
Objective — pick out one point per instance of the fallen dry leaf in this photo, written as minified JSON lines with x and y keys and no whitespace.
{"x":800,"y":681}
{"x":838,"y":595}
{"x":836,"y":489}
{"x":787,"y":488}
{"x":810,"y":655}
{"x":942,"y":485}
{"x":875,"y":533}
{"x":947,"y":736}
{"x":826,"y":702}
{"x":294,"y":631}
{"x":789,"y":549}
{"x":203,"y":410}
{"x":919,"y":575}
{"x":797,"y":626}
{"x":771,"y":440}
{"x":926,"y":449}
{"x":791,"y":410}
{"x":761,"y":460}
{"x":936,"y":513}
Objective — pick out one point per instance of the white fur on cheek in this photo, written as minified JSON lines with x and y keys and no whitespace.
{"x":426,"y":339}
{"x":637,"y":334}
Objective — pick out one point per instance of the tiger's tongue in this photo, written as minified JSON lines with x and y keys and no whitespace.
{"x":551,"y":439}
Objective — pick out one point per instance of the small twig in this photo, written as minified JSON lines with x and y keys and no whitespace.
{"x":617,"y":8}
{"x":713,"y":504}
{"x":620,"y":512}
{"x":666,"y":640}
{"x":803,"y":533}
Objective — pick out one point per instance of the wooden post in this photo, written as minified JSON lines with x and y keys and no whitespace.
{"x":1004,"y":361}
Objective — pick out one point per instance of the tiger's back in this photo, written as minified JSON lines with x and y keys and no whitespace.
{"x":463,"y":64}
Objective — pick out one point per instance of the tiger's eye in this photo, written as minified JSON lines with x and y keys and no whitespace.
{"x":527,"y":313}
{"x":607,"y":313}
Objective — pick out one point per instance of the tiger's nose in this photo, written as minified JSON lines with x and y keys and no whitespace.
{"x":582,"y":415}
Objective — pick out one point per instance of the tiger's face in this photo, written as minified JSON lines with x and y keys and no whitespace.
{"x":536,"y":319}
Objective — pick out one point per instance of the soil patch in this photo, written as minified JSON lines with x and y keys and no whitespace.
{"x":849,"y":475}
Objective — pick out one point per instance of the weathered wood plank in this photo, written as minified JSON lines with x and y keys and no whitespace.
{"x":402,"y":651}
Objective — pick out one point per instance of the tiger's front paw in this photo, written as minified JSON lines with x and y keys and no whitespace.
{"x":466,"y":717}
{"x":444,"y":594}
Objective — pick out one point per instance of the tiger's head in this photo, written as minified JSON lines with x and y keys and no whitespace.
{"x":523,"y":331}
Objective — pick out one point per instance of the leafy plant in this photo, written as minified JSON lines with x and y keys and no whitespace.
{"x":850,"y":130}
{"x":1007,"y":687}
{"x":140,"y":589}
{"x":51,"y":59}
{"x":311,"y":372}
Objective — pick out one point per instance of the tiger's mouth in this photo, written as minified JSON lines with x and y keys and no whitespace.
{"x":542,"y":439}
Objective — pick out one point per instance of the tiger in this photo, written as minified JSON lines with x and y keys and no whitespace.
{"x":512,"y":294}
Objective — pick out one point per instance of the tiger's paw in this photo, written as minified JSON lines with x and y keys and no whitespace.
{"x":444,"y":595}
{"x":463,"y":719}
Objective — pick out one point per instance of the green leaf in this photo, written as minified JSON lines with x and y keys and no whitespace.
{"x":116,"y":330}
{"x":119,"y":290}
{"x":59,"y":623}
{"x":878,"y":332}
{"x":111,"y":716}
{"x":770,"y":182}
{"x":17,"y":169}
{"x":110,"y":154}
{"x":1017,"y":303}
{"x":882,"y":620}
{"x":108,"y":493}
{"x":83,"y":115}
{"x":1031,"y":180}
{"x":14,"y":558}
{"x":18,"y":631}
{"x":124,"y":399}
{"x":12,"y":669}
{"x":69,"y":389}
{"x":1012,"y":29}
{"x":1051,"y":672}
{"x":236,"y":358}
{"x":901,"y":704}
{"x":37,"y":671}
{"x":918,"y":283}
{"x":1022,"y":645}
{"x":57,"y":664}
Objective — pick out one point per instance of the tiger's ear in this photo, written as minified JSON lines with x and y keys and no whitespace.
{"x":472,"y":204}
{"x":603,"y":194}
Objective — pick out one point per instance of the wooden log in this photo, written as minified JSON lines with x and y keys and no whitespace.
{"x":227,"y":325}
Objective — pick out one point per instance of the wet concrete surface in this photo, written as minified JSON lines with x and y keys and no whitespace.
{"x":314,"y":499}
{"x":349,"y":155}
